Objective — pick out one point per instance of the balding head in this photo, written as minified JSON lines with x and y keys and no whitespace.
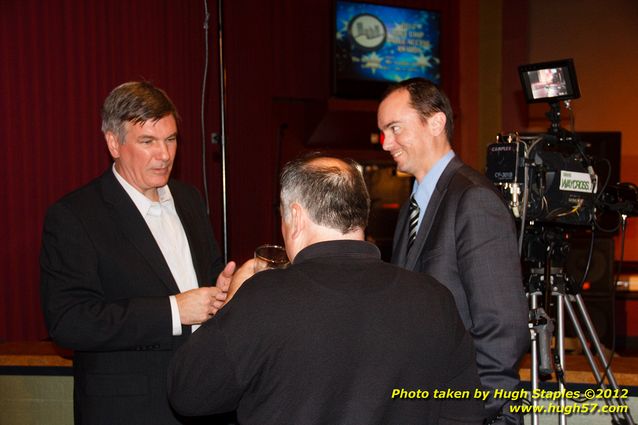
{"x":331,"y":190}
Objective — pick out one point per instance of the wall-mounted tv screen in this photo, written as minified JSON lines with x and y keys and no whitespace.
{"x":375,"y":45}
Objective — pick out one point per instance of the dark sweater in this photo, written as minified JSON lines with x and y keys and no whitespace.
{"x":327,"y":341}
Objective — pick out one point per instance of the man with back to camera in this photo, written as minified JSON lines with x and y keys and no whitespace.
{"x":335,"y":337}
{"x":126,"y":266}
{"x":457,"y":228}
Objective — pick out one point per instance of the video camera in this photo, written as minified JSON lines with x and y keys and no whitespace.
{"x":547,"y":177}
{"x":549,"y":183}
{"x":544,"y":177}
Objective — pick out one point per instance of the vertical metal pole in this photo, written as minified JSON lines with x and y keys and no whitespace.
{"x":222,"y":134}
{"x":203,"y":108}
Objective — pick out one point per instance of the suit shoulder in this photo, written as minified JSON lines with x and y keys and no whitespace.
{"x":423,"y":283}
{"x":180,"y":188}
{"x":180,"y":185}
{"x":470,"y":177}
{"x":82,"y":197}
{"x":469,"y":183}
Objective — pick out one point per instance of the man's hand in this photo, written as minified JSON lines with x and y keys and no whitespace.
{"x":246,"y":271}
{"x":226,"y":276}
{"x":198,"y":305}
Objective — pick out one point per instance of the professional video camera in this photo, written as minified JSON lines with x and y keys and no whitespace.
{"x":548,"y":177}
{"x":545,"y":177}
{"x":552,"y":189}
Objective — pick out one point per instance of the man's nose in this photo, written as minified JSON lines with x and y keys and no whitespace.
{"x":386,"y":142}
{"x":163,"y":152}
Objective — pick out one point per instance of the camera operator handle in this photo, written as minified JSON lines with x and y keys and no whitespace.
{"x":545,"y":329}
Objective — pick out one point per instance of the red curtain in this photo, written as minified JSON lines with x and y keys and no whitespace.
{"x":60,"y":58}
{"x":58,"y":61}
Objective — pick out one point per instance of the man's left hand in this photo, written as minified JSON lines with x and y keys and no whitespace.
{"x":226,"y":276}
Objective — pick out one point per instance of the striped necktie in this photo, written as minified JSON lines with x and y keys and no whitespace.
{"x":413,"y":221}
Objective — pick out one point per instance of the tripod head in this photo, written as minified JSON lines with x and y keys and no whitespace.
{"x":544,"y":256}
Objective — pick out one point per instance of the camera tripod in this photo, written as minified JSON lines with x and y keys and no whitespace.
{"x":552,"y":282}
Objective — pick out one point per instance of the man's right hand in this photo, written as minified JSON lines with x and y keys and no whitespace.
{"x":200,"y":304}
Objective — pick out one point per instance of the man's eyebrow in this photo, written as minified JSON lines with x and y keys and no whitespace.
{"x":150,"y":136}
{"x":390,"y":124}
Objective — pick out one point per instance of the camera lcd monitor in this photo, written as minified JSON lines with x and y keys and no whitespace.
{"x":375,"y":45}
{"x":549,"y":81}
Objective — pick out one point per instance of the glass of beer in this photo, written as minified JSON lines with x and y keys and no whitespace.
{"x":270,"y":257}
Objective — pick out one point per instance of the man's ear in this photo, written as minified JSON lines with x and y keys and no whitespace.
{"x":436,"y":122}
{"x":113,"y":144}
{"x":297,"y":220}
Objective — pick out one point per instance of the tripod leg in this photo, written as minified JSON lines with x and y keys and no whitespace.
{"x":595,"y":340}
{"x":534,"y":359}
{"x":588,"y":353}
{"x":560,"y":345}
{"x":597,"y":345}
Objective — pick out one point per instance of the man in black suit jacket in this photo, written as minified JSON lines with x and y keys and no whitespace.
{"x":127,"y":265}
{"x":462,"y":233}
{"x":339,"y":337}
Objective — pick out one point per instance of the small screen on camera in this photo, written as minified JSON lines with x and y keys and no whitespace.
{"x":549,"y":81}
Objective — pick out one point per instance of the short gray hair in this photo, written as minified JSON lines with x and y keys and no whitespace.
{"x":135,"y":102}
{"x":335,"y":197}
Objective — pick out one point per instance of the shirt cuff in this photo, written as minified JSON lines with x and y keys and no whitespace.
{"x":177,"y":324}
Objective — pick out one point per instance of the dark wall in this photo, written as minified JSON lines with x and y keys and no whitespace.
{"x":280,"y":104}
{"x":60,"y":58}
{"x":58,"y":61}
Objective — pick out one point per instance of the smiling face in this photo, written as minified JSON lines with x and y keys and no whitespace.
{"x":406,"y":135}
{"x":416,"y":143}
{"x":145,"y":159}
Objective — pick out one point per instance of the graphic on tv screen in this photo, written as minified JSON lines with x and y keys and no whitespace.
{"x":384,"y":43}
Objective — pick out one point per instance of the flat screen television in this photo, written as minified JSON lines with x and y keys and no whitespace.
{"x":375,"y":45}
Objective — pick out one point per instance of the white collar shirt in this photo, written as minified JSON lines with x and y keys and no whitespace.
{"x":166,"y":227}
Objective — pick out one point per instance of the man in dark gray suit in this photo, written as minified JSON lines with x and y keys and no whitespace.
{"x":457,"y":228}
{"x":127,"y":266}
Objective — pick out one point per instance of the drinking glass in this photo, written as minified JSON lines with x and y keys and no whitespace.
{"x":270,"y":257}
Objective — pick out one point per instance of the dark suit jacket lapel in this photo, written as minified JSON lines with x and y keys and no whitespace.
{"x":135,"y":229}
{"x":400,"y":240}
{"x":430,"y":213}
{"x":188,"y":220}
